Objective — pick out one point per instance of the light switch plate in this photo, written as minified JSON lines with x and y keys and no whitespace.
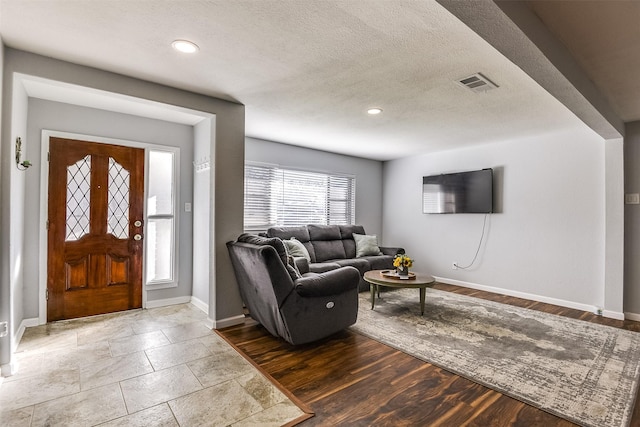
{"x":632,"y":198}
{"x":187,"y":207}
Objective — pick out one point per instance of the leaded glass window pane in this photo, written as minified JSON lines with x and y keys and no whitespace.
{"x":78,"y":198}
{"x":118,"y":211}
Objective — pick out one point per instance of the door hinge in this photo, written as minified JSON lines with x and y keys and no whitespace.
{"x":47,"y":224}
{"x":48,"y":156}
{"x":47,"y":294}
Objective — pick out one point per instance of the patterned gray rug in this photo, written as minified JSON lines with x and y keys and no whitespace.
{"x":580,"y":371}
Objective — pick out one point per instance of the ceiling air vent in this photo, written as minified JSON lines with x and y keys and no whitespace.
{"x":477,"y":83}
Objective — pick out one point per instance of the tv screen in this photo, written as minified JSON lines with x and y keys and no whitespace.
{"x":463,"y":192}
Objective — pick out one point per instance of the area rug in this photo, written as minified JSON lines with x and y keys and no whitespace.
{"x":580,"y":371}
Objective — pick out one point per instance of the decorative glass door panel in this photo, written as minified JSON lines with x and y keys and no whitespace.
{"x":78,"y":198}
{"x":118,"y":212}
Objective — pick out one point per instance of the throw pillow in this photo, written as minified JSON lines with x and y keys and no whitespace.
{"x":293,"y":270}
{"x":366,"y":245}
{"x":280,"y":247}
{"x":297,"y":249}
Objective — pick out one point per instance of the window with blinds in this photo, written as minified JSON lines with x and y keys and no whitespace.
{"x":285,"y":197}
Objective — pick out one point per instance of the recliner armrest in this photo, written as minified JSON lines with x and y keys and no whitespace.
{"x":330,"y":283}
{"x":388,"y":250}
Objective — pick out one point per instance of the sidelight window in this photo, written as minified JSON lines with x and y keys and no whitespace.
{"x":160,"y":230}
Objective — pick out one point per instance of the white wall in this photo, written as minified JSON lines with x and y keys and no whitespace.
{"x":48,"y":115}
{"x":368,"y":174}
{"x":16,"y":208}
{"x":546,"y":242}
{"x":201,"y":214}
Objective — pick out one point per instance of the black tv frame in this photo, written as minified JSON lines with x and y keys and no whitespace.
{"x":459,"y":192}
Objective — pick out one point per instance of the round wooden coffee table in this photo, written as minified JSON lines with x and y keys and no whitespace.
{"x":376,"y":278}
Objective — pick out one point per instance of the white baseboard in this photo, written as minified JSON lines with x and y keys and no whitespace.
{"x":26,"y":323}
{"x":632,"y":316}
{"x":225,"y":323}
{"x":209,"y":323}
{"x":7,"y":370}
{"x":533,"y":297}
{"x":168,"y":301}
{"x":200,"y":304}
{"x":212,"y":324}
{"x":613,"y":314}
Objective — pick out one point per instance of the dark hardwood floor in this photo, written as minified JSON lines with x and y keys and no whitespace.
{"x":349,"y":379}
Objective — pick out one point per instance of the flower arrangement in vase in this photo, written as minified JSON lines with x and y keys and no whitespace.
{"x":402,"y":262}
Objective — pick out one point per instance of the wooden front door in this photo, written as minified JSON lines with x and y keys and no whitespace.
{"x":96,"y":194}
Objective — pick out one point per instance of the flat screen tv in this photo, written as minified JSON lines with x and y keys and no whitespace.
{"x":462,"y":192}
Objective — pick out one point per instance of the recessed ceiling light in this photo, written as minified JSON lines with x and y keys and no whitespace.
{"x":185,"y":46}
{"x":374,"y":111}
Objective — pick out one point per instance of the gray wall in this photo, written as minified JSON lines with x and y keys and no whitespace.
{"x":547,"y":241}
{"x":632,"y":220}
{"x":48,"y":115}
{"x":368,"y":174}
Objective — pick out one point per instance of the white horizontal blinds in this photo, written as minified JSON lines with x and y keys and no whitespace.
{"x":341,"y":200}
{"x":260,"y":212}
{"x":284,"y":197}
{"x":304,"y":198}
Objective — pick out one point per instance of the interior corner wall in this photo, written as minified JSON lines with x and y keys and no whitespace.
{"x":368,"y":174}
{"x":227,"y":148}
{"x":614,"y":229}
{"x":545,"y":241}
{"x":632,"y":220}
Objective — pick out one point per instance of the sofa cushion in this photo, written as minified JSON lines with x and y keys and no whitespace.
{"x":321,"y":267}
{"x":280,"y":248}
{"x":380,"y":262}
{"x":346,"y":233}
{"x":300,"y":233}
{"x":366,"y":245}
{"x":328,"y":249}
{"x":326,"y":241}
{"x":323,"y":232}
{"x":296,"y":249}
{"x":360,"y":263}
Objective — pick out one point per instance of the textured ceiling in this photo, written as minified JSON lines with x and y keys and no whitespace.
{"x":604,"y":37}
{"x":306,"y":71}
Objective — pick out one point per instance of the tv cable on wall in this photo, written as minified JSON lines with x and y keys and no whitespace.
{"x":484,"y":226}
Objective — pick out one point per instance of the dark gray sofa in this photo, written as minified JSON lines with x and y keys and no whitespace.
{"x":300,"y":308}
{"x":332,"y":246}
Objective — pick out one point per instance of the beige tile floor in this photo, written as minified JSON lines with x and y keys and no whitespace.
{"x":157,"y":367}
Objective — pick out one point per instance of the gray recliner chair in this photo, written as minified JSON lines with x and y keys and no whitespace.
{"x":298,"y":306}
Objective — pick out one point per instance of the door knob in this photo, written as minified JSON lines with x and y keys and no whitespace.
{"x":137,"y":237}
{"x":137,"y":223}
